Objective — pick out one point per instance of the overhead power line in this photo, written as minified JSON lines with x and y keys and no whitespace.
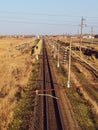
{"x":29,"y":22}
{"x":44,"y":23}
{"x":44,"y":14}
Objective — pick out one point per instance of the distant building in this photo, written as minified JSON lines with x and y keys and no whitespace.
{"x":88,"y":37}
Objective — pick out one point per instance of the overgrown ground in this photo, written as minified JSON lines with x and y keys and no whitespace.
{"x":15,"y":68}
{"x":84,"y":109}
{"x":24,"y":108}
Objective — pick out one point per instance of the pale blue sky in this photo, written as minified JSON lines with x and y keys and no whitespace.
{"x":47,"y":16}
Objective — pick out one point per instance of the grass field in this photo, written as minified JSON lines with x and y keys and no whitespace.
{"x":15,"y":67}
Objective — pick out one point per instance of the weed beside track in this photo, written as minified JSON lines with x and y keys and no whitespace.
{"x":25,"y":107}
{"x":82,"y":110}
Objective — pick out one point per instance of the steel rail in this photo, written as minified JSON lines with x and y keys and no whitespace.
{"x":44,"y":87}
{"x":55,"y":103}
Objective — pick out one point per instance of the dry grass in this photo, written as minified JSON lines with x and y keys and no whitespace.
{"x":15,"y":68}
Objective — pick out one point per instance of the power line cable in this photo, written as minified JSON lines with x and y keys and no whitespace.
{"x":44,"y":14}
{"x":29,"y":22}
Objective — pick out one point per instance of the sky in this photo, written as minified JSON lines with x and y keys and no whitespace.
{"x":53,"y":17}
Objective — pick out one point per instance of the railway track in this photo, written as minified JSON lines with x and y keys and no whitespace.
{"x":83,"y":62}
{"x":51,"y":112}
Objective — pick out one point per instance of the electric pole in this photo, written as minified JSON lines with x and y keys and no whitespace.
{"x":69,"y":67}
{"x":92,"y":34}
{"x":58,"y":62}
{"x":82,"y":23}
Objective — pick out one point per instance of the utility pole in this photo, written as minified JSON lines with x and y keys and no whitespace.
{"x":82,"y":23}
{"x":58,"y":62}
{"x":69,"y":67}
{"x":92,"y":34}
{"x":54,"y":52}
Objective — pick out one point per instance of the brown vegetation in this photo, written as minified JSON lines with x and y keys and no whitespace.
{"x":15,"y":67}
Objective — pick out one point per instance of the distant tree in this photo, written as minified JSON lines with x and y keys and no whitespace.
{"x":96,"y":36}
